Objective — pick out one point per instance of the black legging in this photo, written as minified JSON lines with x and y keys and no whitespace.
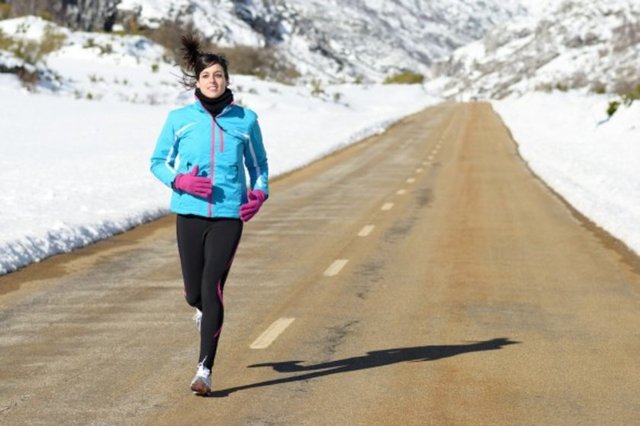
{"x":207,"y":247}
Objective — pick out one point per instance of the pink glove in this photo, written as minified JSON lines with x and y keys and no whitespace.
{"x":251,"y":207}
{"x":193,"y":184}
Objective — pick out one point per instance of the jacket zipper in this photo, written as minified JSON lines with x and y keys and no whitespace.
{"x":213,"y":156}
{"x":213,"y":163}
{"x":221,"y":139}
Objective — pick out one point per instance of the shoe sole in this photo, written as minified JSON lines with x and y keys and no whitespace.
{"x":200,"y":388}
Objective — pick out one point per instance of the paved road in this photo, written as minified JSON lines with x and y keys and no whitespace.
{"x":424,"y":276}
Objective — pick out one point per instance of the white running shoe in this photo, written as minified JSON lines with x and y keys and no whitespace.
{"x":201,"y":383}
{"x":197,"y":317}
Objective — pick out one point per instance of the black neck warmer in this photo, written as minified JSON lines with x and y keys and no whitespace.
{"x":215,"y":106}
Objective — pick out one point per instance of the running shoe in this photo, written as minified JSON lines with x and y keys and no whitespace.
{"x":197,"y":317}
{"x":201,"y":383}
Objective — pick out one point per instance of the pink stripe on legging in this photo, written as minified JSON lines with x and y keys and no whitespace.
{"x":217,"y":333}
{"x":219,"y":287}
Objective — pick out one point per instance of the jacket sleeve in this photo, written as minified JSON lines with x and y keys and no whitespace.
{"x":163,"y":159}
{"x":255,"y":158}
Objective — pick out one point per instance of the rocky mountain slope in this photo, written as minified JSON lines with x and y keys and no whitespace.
{"x":333,"y":40}
{"x":87,"y":15}
{"x":592,"y":45}
{"x":338,"y":39}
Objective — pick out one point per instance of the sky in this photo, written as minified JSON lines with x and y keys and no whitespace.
{"x":75,"y":160}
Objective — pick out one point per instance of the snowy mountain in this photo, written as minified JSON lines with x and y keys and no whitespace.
{"x":581,"y":44}
{"x":538,"y":7}
{"x":325,"y":40}
{"x":336,"y":39}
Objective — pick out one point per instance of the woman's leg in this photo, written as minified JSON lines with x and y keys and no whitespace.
{"x":191,"y":232}
{"x":220,"y":244}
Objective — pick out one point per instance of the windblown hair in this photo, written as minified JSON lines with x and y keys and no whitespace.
{"x":195,"y":60}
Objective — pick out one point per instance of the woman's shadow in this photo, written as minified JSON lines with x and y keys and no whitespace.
{"x":370,"y":360}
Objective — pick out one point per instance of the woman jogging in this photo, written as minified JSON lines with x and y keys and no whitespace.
{"x":201,"y":154}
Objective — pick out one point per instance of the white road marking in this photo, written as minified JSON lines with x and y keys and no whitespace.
{"x":401,"y":191}
{"x":271,"y":333}
{"x":411,"y":180}
{"x":335,"y":267}
{"x":430,"y":157}
{"x":365,"y":231}
{"x":419,"y":170}
{"x":387,"y":206}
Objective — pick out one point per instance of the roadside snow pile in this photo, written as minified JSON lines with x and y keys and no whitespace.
{"x":590,"y":161}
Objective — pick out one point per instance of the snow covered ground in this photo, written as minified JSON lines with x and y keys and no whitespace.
{"x":75,"y":160}
{"x":75,"y":163}
{"x":591,"y":162}
{"x":74,"y":171}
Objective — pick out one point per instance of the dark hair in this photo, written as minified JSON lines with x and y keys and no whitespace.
{"x":194,"y":60}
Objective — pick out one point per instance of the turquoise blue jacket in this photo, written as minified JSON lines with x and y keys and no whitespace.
{"x":222,"y":148}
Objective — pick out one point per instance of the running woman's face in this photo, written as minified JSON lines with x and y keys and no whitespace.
{"x":212,"y":82}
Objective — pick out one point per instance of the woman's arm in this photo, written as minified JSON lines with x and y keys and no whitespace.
{"x":164,"y":155}
{"x":255,"y":158}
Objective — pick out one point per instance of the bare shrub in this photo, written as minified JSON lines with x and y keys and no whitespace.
{"x":32,"y":51}
{"x":52,"y":40}
{"x":5,"y":11}
{"x":42,"y":8}
{"x":626,"y":99}
{"x":167,"y":35}
{"x":262,"y":62}
{"x":598,"y":88}
{"x":405,"y":77}
{"x":29,"y":78}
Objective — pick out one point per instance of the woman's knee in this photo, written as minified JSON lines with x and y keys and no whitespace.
{"x":192,"y":300}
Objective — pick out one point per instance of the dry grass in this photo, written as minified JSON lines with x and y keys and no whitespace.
{"x":405,"y":77}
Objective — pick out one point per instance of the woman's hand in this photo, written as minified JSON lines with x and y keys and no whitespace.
{"x":193,"y":184}
{"x":251,"y":207}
